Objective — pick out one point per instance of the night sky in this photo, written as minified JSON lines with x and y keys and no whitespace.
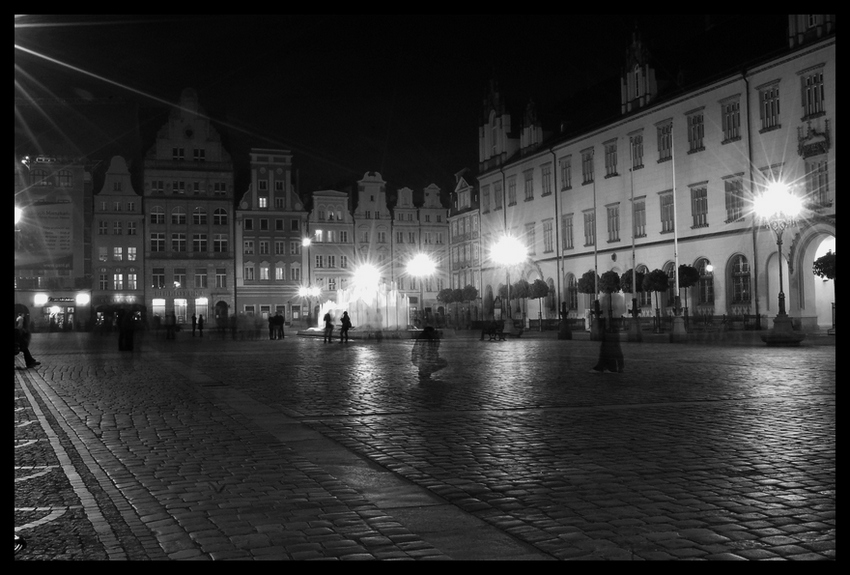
{"x":401,"y":95}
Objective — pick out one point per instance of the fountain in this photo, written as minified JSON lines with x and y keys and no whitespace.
{"x":374,"y":310}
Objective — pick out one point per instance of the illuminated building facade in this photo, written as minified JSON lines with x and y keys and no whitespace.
{"x":271,"y":223}
{"x":669,"y":182}
{"x":118,"y":245}
{"x":189,"y":219}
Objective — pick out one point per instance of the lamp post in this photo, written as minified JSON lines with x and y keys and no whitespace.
{"x":420,"y":267}
{"x":305,"y":242}
{"x":777,"y":209}
{"x":508,"y":251}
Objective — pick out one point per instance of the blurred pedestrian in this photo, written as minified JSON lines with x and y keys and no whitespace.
{"x":194,"y":324}
{"x":201,"y":325}
{"x":23,"y":338}
{"x":344,"y":327}
{"x":126,"y":329}
{"x":425,"y":354}
{"x":272,"y":330}
{"x":170,"y":325}
{"x":329,"y":327}
{"x":610,"y":354}
{"x":279,"y":322}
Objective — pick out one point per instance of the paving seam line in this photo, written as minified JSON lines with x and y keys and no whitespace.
{"x":61,"y":412}
{"x":101,"y":527}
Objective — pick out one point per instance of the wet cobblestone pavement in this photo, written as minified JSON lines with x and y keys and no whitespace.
{"x":299,"y":450}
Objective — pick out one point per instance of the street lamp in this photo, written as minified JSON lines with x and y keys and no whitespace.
{"x":508,"y":251}
{"x":307,"y":291}
{"x":420,"y":267}
{"x":778,"y":208}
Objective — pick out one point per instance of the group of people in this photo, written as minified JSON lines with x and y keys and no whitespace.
{"x":425,"y":354}
{"x":198,"y":323}
{"x":344,"y":323}
{"x":276,"y":322}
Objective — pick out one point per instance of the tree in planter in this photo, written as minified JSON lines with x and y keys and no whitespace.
{"x":520,"y":291}
{"x":657,"y":281}
{"x":503,"y":296}
{"x":824,"y":266}
{"x":538,"y":290}
{"x":587,"y":284}
{"x":609,"y":283}
{"x":469,"y":294}
{"x":457,"y":298}
{"x":627,"y":287}
{"x":688,"y":277}
{"x":445,"y":296}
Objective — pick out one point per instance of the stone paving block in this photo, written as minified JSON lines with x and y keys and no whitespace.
{"x":636,"y":467}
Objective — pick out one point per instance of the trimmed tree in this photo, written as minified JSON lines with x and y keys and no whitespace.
{"x":469,"y":293}
{"x":519,"y":291}
{"x":609,"y":283}
{"x":457,"y":298}
{"x":824,"y":266}
{"x":445,"y":296}
{"x":626,"y":282}
{"x":688,"y":277}
{"x":656,"y":281}
{"x":587,"y":283}
{"x":538,"y":290}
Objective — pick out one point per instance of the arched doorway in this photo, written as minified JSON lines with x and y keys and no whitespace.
{"x":816,"y":294}
{"x":824,"y":289}
{"x":221,"y":313}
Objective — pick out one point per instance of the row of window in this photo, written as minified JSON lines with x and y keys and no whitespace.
{"x":118,"y":205}
{"x":119,"y":253}
{"x":180,"y":187}
{"x":464,"y":255}
{"x":42,"y":177}
{"x":179,"y":154}
{"x":266,"y":272}
{"x":264,"y":247}
{"x":381,"y":237}
{"x":179,"y":242}
{"x":730,"y":122}
{"x":178,"y":278}
{"x":179,"y":216}
{"x":699,"y":211}
{"x":118,"y":281}
{"x":331,"y":261}
{"x":465,"y":225}
{"x":117,"y":228}
{"x":279,"y":224}
{"x":698,"y":197}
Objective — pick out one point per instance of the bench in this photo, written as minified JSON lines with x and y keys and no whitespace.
{"x":496,"y":332}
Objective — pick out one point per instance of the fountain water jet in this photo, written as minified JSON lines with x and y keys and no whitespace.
{"x":373,"y":308}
